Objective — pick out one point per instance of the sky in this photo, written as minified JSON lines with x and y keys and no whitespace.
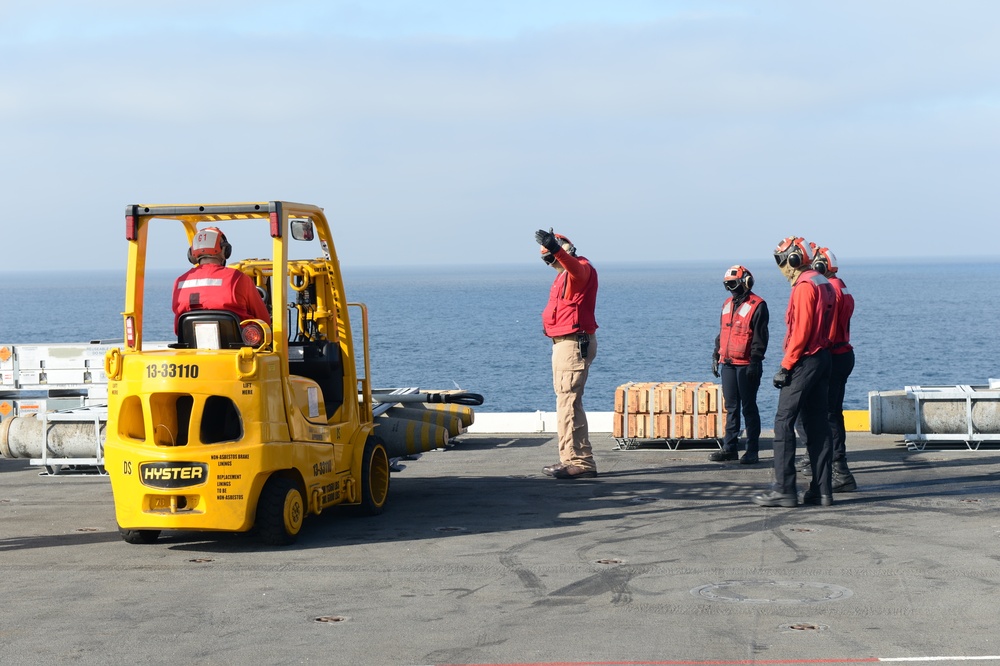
{"x":446,"y":132}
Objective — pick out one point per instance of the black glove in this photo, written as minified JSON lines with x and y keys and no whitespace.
{"x":782,"y":378}
{"x":715,"y":366}
{"x":754,"y":371}
{"x":547,"y":240}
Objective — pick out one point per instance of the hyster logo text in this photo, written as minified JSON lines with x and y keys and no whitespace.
{"x":173,"y":475}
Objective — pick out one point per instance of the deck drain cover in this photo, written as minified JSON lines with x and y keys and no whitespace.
{"x":771,"y":592}
{"x":87,"y":529}
{"x":645,"y":499}
{"x":201,"y":560}
{"x":609,"y":560}
{"x":449,"y":529}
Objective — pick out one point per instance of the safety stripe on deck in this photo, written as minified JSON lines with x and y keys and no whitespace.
{"x":739,"y":662}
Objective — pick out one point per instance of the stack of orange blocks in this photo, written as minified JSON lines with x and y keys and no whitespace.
{"x":667,"y":410}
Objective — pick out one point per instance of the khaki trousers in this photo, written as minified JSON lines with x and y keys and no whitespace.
{"x":569,"y":376}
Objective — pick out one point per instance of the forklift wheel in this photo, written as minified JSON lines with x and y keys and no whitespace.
{"x":139,"y":536}
{"x":374,"y":477}
{"x":280,"y":511}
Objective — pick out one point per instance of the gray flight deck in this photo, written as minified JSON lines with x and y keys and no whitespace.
{"x":481,"y":559}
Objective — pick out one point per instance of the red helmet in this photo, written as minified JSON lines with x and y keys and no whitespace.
{"x":209,"y":242}
{"x":736,"y":276}
{"x":792,"y":251}
{"x":824,"y":261}
{"x":562,"y":241}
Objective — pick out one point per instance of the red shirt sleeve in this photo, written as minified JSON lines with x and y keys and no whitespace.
{"x":800,"y":320}
{"x":247,"y":294}
{"x":579,"y":273}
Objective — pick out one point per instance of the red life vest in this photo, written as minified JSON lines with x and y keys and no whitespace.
{"x":571,"y":312}
{"x":736,"y":335}
{"x":840,"y":336}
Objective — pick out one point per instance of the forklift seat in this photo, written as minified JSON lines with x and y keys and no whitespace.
{"x":209,"y":329}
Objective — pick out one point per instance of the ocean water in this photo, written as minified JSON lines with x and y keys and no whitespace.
{"x":479,"y":328}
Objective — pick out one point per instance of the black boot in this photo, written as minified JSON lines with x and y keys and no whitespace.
{"x":843,"y":480}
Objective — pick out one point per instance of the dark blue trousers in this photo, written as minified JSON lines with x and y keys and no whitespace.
{"x":740,"y":394}
{"x":841,"y":366}
{"x":808,"y":395}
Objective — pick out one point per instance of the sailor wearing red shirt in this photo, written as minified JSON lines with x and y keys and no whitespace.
{"x":803,"y":378}
{"x":739,"y":353}
{"x":841,"y":366}
{"x":210,"y":285}
{"x":569,"y":320}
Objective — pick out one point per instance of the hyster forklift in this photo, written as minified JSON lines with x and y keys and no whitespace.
{"x":242,"y":425}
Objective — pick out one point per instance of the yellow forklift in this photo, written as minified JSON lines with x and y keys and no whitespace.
{"x":242,"y":425}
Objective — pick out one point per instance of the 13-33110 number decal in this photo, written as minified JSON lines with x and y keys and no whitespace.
{"x":168,"y":370}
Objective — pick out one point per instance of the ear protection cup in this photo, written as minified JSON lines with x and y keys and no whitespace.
{"x":191,"y":257}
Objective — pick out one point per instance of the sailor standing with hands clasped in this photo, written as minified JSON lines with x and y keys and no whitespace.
{"x":568,"y":319}
{"x":738,"y":357}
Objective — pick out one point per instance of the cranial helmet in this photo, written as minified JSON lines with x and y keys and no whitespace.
{"x":209,"y":242}
{"x":548,"y":257}
{"x":738,"y":280}
{"x":792,"y":251}
{"x":824,"y":261}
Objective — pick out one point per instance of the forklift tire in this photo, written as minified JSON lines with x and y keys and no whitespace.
{"x":374,"y":477}
{"x":139,"y":536}
{"x":280,"y":512}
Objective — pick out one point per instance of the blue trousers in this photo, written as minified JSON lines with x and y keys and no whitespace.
{"x":808,"y":395}
{"x":740,"y":394}
{"x":841,"y":366}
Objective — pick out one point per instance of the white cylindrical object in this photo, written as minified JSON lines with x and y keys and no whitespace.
{"x":23,"y":437}
{"x":895,"y":412}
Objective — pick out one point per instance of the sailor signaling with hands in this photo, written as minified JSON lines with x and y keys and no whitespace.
{"x":568,"y":319}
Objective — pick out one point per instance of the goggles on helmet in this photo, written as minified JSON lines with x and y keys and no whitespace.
{"x":735,"y":276}
{"x":792,"y":251}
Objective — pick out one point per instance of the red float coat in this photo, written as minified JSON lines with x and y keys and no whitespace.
{"x":809,"y":317}
{"x":840,"y":336}
{"x":737,"y":334}
{"x":572,"y":298}
{"x":215,"y":287}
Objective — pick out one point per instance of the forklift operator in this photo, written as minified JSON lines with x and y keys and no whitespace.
{"x":210,"y":285}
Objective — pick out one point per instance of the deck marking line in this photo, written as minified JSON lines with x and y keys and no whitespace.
{"x":685,"y":662}
{"x":741,"y":662}
{"x":923,"y":659}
